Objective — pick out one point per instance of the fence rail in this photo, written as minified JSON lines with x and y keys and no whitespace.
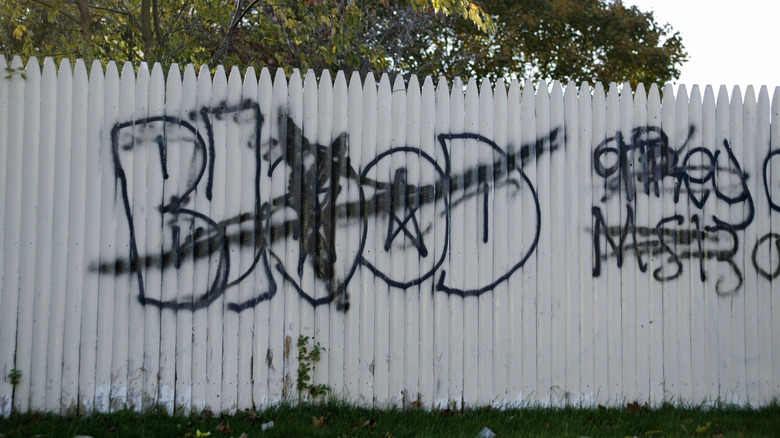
{"x":169,"y":240}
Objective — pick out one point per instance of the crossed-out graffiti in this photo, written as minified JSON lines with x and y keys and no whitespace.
{"x":630,"y":166}
{"x":315,"y":218}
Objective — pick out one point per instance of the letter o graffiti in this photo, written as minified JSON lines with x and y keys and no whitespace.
{"x":768,"y":158}
{"x":764,"y":273}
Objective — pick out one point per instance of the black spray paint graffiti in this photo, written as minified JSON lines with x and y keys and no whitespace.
{"x":638,"y":165}
{"x":309,"y":193}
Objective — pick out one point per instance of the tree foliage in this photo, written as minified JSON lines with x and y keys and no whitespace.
{"x":579,"y":40}
{"x":542,"y":39}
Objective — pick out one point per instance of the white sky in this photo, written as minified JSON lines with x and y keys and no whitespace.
{"x":728,"y":43}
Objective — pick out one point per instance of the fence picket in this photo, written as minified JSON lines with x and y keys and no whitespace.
{"x":44,"y":237}
{"x":29,"y":192}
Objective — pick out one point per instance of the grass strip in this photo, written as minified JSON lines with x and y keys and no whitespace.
{"x":338,"y":419}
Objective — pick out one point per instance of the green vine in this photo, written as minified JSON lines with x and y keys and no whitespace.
{"x":14,"y":377}
{"x":307,"y":360}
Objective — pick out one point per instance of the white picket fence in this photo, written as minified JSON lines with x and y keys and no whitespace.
{"x":169,"y":240}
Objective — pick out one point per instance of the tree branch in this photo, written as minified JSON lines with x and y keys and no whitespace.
{"x":65,"y":14}
{"x":238,"y":15}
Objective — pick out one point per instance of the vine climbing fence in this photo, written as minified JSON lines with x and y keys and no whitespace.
{"x":168,"y":240}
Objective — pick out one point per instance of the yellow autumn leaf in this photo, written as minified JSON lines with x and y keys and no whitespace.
{"x":19,"y":31}
{"x":199,"y":434}
{"x":702,"y":429}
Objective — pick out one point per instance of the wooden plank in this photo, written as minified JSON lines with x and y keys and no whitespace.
{"x":587,"y":189}
{"x":762,"y":254}
{"x":353,"y":361}
{"x":368,"y":281}
{"x":656,"y":322}
{"x":441,"y":301}
{"x":109,"y":214}
{"x":687,"y":283}
{"x":27,"y":237}
{"x":12,"y":99}
{"x":530,"y":229}
{"x":383,"y":172}
{"x":725,"y":274}
{"x":499,"y":227}
{"x":711,"y":296}
{"x":514,"y":220}
{"x":735,"y":189}
{"x":249,"y":120}
{"x":544,"y":360}
{"x":601,"y":263}
{"x":457,"y":264}
{"x":217,"y":257}
{"x":59,"y":252}
{"x":396,"y":253}
{"x":343,"y":235}
{"x":323,"y":280}
{"x":485,"y":240}
{"x":412,"y":259}
{"x":153,"y":281}
{"x":775,"y":258}
{"x":739,"y":213}
{"x":185,"y":319}
{"x":467,"y":242}
{"x":571,"y":231}
{"x":427,"y":313}
{"x":635,"y":286}
{"x":619,"y":308}
{"x":91,"y":248}
{"x":698,"y":285}
{"x":554,"y":149}
{"x":172,"y":156}
{"x":235,"y":146}
{"x":750,"y":291}
{"x":6,"y":388}
{"x":294,"y":322}
{"x":270,"y":318}
{"x":308,"y":282}
{"x":44,"y":237}
{"x":663,"y":306}
{"x":201,"y":203}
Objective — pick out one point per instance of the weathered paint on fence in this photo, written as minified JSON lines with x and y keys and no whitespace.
{"x":168,"y":240}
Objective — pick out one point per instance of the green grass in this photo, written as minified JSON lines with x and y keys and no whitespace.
{"x":335,"y":419}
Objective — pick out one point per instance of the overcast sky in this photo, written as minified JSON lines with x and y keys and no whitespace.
{"x":728,"y":43}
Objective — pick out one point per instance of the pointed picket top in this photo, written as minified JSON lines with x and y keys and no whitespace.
{"x":250,"y":76}
{"x":398,"y":85}
{"x":556,"y":96}
{"x":543,"y":91}
{"x":32,"y":65}
{"x":442,"y":89}
{"x":310,"y":80}
{"x":529,"y":95}
{"x":340,"y":84}
{"x":16,"y":63}
{"x":414,"y":85}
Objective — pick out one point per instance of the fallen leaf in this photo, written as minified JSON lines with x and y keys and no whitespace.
{"x":369,"y":423}
{"x":199,"y":434}
{"x":224,"y":427}
{"x":319,"y":421}
{"x":702,"y":429}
